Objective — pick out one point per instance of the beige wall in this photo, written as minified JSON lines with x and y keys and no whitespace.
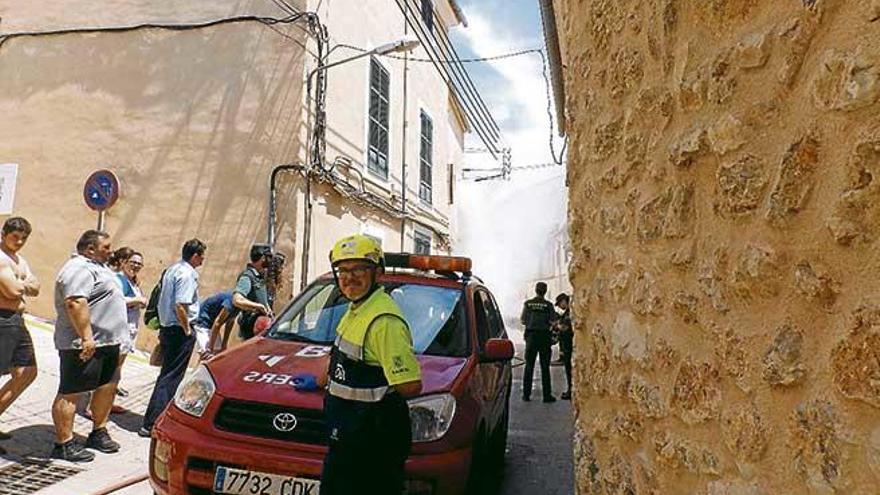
{"x":723,"y":217}
{"x":192,"y":122}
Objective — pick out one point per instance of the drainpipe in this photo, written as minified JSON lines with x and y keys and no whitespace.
{"x":551,"y":40}
{"x":270,"y":237}
{"x":403,"y":146}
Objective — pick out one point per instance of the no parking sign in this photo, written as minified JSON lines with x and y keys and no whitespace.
{"x":101,"y":190}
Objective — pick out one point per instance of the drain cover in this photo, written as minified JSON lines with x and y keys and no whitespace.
{"x":30,"y":477}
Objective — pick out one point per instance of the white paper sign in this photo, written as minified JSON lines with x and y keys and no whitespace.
{"x":8,"y":177}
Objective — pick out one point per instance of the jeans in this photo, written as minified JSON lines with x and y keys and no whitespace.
{"x":537,"y":344}
{"x":177,"y":348}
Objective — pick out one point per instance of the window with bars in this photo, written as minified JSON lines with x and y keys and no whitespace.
{"x":422,"y":242}
{"x":377,"y":146}
{"x":426,"y":158}
{"x":428,"y":14}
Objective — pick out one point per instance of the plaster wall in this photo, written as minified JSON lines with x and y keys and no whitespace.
{"x":724,"y":214}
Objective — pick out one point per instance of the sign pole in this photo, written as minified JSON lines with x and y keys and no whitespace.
{"x":101,"y":220}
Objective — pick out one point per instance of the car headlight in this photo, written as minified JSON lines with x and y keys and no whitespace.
{"x":195,"y":392}
{"x":431,"y":416}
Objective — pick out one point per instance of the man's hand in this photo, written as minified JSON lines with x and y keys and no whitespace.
{"x":88,"y":350}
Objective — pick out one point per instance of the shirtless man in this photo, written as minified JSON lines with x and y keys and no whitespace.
{"x":16,"y":282}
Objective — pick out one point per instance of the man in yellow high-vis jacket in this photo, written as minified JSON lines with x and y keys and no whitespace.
{"x":373,"y":370}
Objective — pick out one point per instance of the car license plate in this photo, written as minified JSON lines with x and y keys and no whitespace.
{"x":242,"y":482}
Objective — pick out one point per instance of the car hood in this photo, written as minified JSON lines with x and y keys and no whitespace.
{"x":262,"y":370}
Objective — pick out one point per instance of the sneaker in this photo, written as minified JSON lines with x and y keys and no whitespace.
{"x":121,"y":392}
{"x":145,"y":432}
{"x":526,"y":399}
{"x":565,"y":396}
{"x":72,"y":451}
{"x":100,"y":440}
{"x":549,"y":399}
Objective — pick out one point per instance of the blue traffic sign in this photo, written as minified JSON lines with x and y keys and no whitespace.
{"x":101,"y":190}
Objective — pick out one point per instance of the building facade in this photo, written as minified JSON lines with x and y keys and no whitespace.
{"x":194,"y":120}
{"x":723,"y":220}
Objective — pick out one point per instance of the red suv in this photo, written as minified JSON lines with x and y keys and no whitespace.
{"x":237,"y":425}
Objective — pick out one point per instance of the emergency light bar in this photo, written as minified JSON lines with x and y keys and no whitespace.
{"x":427,"y":262}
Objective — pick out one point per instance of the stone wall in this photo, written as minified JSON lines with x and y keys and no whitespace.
{"x":724,"y":211}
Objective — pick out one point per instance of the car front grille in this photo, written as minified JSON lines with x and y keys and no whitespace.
{"x":258,"y":419}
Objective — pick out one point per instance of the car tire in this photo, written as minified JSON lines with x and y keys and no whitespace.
{"x":498,"y":444}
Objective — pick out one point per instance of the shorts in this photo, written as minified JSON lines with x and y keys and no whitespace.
{"x":16,"y":346}
{"x":78,"y":376}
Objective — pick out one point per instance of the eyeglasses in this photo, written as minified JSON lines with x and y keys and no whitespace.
{"x":355,"y":271}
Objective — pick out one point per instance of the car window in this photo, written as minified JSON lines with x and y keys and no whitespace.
{"x":434,"y":315}
{"x":482,"y":318}
{"x":496,"y":324}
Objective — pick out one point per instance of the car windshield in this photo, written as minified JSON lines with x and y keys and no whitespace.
{"x":435,"y":316}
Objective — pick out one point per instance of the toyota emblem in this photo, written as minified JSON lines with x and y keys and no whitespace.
{"x":284,"y":422}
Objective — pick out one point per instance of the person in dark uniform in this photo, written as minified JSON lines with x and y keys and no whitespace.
{"x":538,"y":316}
{"x":566,"y":339}
{"x":372,"y":371}
{"x":250,"y":295}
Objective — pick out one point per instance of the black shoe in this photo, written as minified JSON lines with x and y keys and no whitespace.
{"x":121,"y":392}
{"x":145,"y":432}
{"x":100,"y":440}
{"x":4,"y":435}
{"x":72,"y":451}
{"x":565,"y":396}
{"x":549,"y":399}
{"x":526,"y":399}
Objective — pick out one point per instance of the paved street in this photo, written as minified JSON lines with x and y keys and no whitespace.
{"x":539,"y":454}
{"x":539,"y":450}
{"x":29,"y":420}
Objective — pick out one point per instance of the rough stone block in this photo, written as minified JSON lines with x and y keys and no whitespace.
{"x":684,"y":305}
{"x":627,"y":70}
{"x":670,"y":214}
{"x":745,"y":433}
{"x":647,"y":397}
{"x":845,"y":82}
{"x":608,"y":137}
{"x":730,"y":352}
{"x":710,"y":275}
{"x":726,"y":135}
{"x":689,"y":146}
{"x":795,"y":36}
{"x":680,"y":454}
{"x":855,"y":360}
{"x":664,"y":355}
{"x":696,"y":395}
{"x":816,"y":287}
{"x":783,"y":361}
{"x":721,"y":83}
{"x":614,"y":221}
{"x":795,"y":180}
{"x":815,"y":441}
{"x":756,"y":273}
{"x":733,"y":488}
{"x":629,"y":337}
{"x":753,"y":51}
{"x":646,"y":300}
{"x":739,"y":187}
{"x":856,"y":217}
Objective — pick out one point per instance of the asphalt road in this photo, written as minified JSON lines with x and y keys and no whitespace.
{"x":539,"y":448}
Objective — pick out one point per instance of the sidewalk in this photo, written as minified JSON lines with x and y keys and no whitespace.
{"x":27,"y":469}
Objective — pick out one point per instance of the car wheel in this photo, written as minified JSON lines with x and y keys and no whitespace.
{"x":498,"y":443}
{"x":477,"y":476}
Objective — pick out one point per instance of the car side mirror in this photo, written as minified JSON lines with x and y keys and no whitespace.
{"x":262,"y":324}
{"x":498,"y":350}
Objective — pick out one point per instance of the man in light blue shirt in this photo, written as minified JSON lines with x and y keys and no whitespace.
{"x":178,"y":308}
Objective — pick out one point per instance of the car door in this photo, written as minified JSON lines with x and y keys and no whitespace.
{"x":502,"y":380}
{"x":492,"y":374}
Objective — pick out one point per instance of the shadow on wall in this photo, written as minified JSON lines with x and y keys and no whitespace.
{"x":191,"y":121}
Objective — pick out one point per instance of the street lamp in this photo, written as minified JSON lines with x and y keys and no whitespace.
{"x":315,"y":139}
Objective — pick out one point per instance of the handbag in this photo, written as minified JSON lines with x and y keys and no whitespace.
{"x":157,"y":355}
